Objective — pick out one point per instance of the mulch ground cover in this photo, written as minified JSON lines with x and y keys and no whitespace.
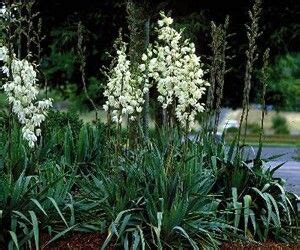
{"x":93,"y":241}
{"x":75,"y":241}
{"x":263,"y":246}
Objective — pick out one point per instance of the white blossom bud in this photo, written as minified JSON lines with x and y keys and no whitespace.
{"x":144,"y":57}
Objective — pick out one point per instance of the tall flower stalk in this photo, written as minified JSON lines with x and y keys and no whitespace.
{"x":175,"y":69}
{"x":218,"y":69}
{"x":81,"y":51}
{"x":123,"y":92}
{"x":215,"y":46}
{"x":124,"y":97}
{"x":253,"y":33}
{"x":139,"y":26}
{"x":223,"y":69}
{"x":264,"y":78}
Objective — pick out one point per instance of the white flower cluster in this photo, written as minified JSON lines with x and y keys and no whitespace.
{"x":123,"y":92}
{"x":177,"y":72}
{"x":3,"y":11}
{"x":22,"y":91}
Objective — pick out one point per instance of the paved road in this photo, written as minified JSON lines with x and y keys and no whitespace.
{"x":288,"y":153}
{"x":290,"y":171}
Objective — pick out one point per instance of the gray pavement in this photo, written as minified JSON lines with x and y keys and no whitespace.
{"x":288,"y":153}
{"x":290,"y":171}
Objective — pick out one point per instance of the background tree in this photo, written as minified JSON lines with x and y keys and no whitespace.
{"x":102,"y":20}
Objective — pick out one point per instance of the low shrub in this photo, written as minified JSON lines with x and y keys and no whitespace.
{"x":253,"y":128}
{"x":232,"y":130}
{"x":279,"y":124}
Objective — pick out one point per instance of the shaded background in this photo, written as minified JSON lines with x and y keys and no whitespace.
{"x":103,"y":19}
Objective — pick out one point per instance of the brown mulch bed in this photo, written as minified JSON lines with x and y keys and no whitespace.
{"x":91,"y":241}
{"x":75,"y":241}
{"x":264,"y":246}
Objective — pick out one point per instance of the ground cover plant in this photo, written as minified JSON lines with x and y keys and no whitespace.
{"x":165,"y":188}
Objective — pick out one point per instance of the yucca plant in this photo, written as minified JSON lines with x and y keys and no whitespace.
{"x":18,"y":151}
{"x":29,"y":199}
{"x":263,"y":212}
{"x":155,"y":200}
{"x":181,"y":208}
{"x":70,"y":142}
{"x":255,"y":201}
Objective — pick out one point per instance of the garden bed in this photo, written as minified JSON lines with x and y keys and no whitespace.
{"x":263,"y":246}
{"x":75,"y":241}
{"x":95,"y":240}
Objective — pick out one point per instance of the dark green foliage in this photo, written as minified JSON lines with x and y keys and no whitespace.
{"x":4,"y":118}
{"x":95,"y":90}
{"x":74,"y":144}
{"x":60,"y":65}
{"x":165,"y":193}
{"x":37,"y":196}
{"x":192,"y":25}
{"x":158,"y":196}
{"x":87,"y":149}
{"x":20,"y":155}
{"x":284,"y":89}
{"x":61,"y":121}
{"x":34,"y":203}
